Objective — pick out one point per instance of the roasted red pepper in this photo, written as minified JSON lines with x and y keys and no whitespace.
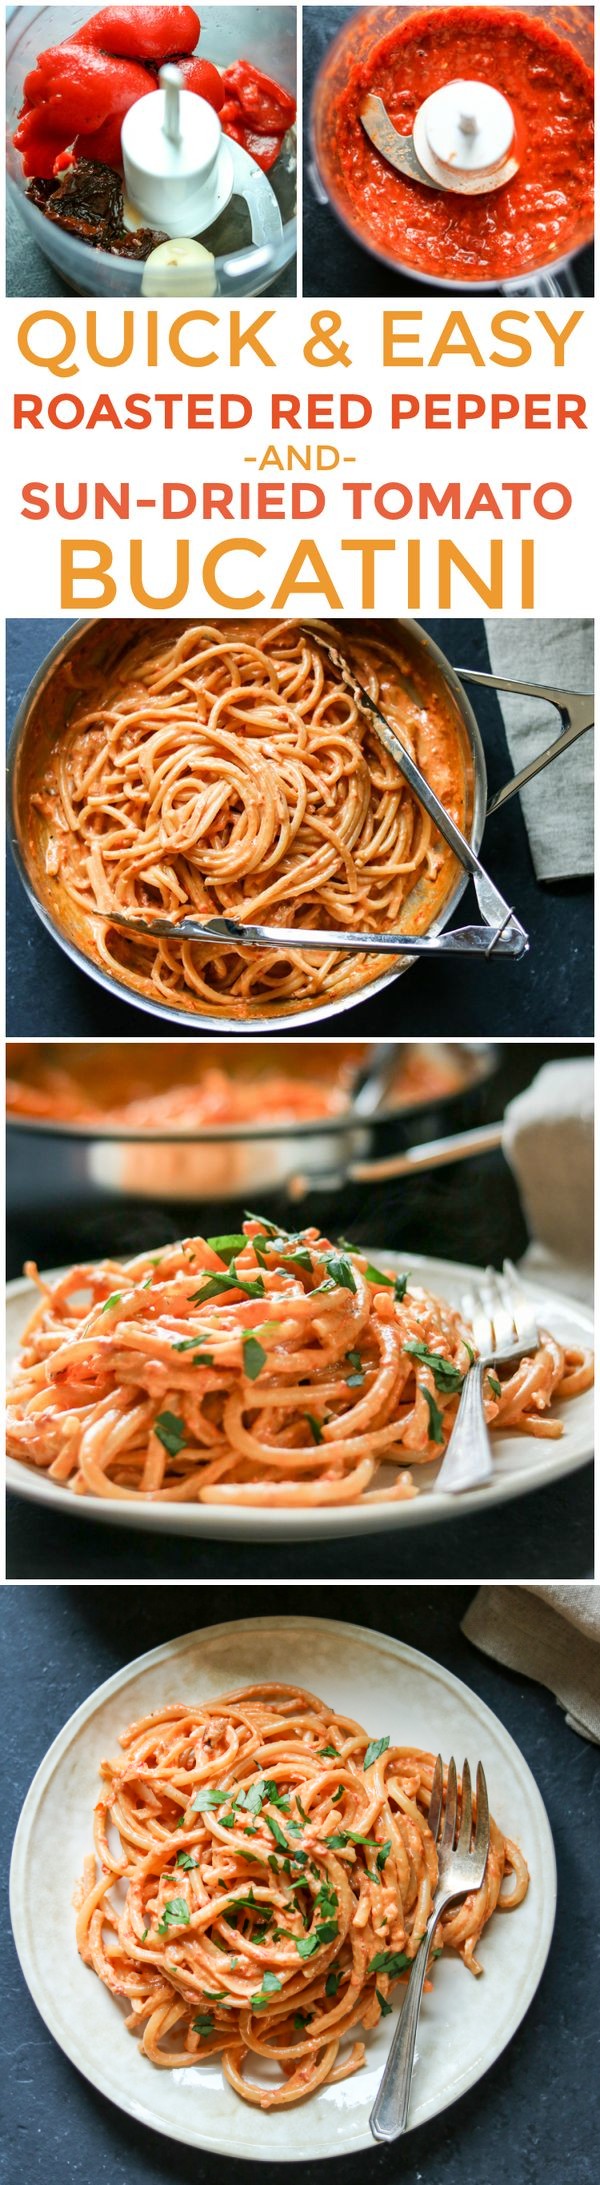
{"x":265,"y":105}
{"x":72,"y":92}
{"x":79,"y":92}
{"x":104,"y":145}
{"x":264,"y":149}
{"x":142,"y":34}
{"x":200,"y":76}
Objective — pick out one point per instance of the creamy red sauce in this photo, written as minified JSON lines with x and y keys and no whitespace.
{"x":541,"y":213}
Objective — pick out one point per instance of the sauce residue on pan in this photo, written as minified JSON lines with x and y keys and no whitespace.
{"x":533,"y":219}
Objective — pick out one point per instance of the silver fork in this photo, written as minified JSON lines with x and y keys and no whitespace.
{"x":505,"y":1330}
{"x":461,"y":1868}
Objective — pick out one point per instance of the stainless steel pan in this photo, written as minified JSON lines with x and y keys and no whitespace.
{"x":65,"y":1164}
{"x":47,"y":705}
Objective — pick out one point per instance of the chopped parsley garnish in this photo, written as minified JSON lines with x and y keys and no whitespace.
{"x":252,"y":1799}
{"x":332,"y":1983}
{"x":397,"y":1283}
{"x":277,"y":1832}
{"x":176,"y":1914}
{"x":374,"y":1751}
{"x":373,"y":1274}
{"x":436,"y":1423}
{"x":339,"y":1793}
{"x":319,"y":1938}
{"x":315,"y":1428}
{"x":447,"y":1377}
{"x":389,"y":1961}
{"x":329,"y":1752}
{"x":302,"y":2019}
{"x":298,"y":1256}
{"x":227,"y":1247}
{"x":254,"y":1357}
{"x":191,"y":1343}
{"x":145,"y":1931}
{"x":383,"y":1854}
{"x":215,"y":1285}
{"x":270,"y":1227}
{"x":209,"y":1796}
{"x":496,"y":1386}
{"x":183,"y":1859}
{"x":384,"y":2006}
{"x":303,"y":1816}
{"x":116,"y":1299}
{"x":171,"y":1432}
{"x":353,"y":1837}
{"x":326,"y":1900}
{"x":340,"y":1270}
{"x":203,"y":2025}
{"x":270,"y":1986}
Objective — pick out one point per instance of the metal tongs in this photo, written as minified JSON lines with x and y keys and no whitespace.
{"x":502,"y":933}
{"x":506,"y":940}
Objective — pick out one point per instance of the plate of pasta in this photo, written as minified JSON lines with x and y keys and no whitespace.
{"x":269,"y":1385}
{"x":239,"y":1870}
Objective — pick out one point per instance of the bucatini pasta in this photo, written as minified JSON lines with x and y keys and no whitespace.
{"x":258,"y":1368}
{"x":228,"y":770}
{"x":274,"y":1872}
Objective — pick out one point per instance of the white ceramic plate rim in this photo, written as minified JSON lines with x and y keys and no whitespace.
{"x":382,"y":1644}
{"x":540,"y":1463}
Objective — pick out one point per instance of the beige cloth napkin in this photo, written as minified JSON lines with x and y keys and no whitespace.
{"x":549,"y":1144}
{"x":558,"y":806}
{"x":550,"y":1633}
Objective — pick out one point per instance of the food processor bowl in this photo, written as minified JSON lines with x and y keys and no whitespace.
{"x":245,"y":263}
{"x":367,"y":27}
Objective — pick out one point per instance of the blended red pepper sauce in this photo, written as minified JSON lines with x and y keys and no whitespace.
{"x":532,"y":219}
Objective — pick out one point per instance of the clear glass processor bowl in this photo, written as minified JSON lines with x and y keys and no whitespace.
{"x":364,"y":28}
{"x":266,"y":36}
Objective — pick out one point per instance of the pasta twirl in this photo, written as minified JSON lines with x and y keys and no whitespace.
{"x":229,"y":771}
{"x":274,"y":1872}
{"x":258,"y":1368}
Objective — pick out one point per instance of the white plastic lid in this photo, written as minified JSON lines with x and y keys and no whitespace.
{"x":467,"y":127}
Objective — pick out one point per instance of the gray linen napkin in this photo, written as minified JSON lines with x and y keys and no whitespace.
{"x":550,"y":1633}
{"x":558,"y":805}
{"x":549,"y":1144}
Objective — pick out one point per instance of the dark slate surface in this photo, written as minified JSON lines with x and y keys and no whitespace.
{"x":535,"y":2114}
{"x":547,"y":995}
{"x":333,"y":264}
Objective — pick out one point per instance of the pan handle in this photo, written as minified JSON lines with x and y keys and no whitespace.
{"x":464,"y":1145}
{"x":576,"y":711}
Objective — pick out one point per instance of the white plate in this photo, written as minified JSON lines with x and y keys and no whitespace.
{"x":388,"y":1688}
{"x":520,"y":1462}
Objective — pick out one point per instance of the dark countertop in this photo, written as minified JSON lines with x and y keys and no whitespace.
{"x":548,"y":994}
{"x":534,"y":2115}
{"x":471,"y":1212}
{"x":333,"y":264}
